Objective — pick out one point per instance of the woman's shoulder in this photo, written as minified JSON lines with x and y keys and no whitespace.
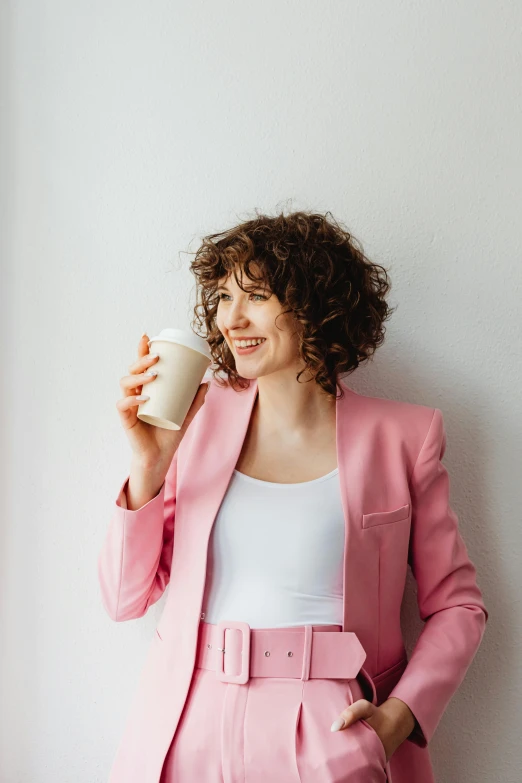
{"x":398,"y":419}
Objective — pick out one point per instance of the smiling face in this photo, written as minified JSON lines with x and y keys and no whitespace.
{"x":252,"y":314}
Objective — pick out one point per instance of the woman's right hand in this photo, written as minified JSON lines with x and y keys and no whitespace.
{"x":152,"y":446}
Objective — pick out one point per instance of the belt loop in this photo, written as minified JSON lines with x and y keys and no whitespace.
{"x":307,"y":652}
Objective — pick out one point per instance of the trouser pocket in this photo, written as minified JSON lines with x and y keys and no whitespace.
{"x":352,"y":755}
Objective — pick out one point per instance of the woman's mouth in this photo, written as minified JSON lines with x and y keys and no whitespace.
{"x":249,"y":349}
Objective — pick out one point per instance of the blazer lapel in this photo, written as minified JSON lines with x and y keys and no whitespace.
{"x":355,"y":445}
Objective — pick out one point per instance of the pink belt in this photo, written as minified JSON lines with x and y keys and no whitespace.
{"x":237,"y":652}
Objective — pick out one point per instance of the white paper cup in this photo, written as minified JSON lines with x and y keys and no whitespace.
{"x":183,"y":360}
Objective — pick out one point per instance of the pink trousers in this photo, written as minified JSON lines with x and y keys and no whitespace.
{"x":272,"y":728}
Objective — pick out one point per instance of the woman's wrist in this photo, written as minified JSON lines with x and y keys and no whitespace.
{"x":143,"y":485}
{"x":403,"y":718}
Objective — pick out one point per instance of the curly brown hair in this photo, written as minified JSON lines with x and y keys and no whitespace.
{"x":318,"y":271}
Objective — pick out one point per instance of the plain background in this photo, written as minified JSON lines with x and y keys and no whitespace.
{"x":131,"y":129}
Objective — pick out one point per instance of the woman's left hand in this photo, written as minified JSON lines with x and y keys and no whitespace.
{"x":392,"y":721}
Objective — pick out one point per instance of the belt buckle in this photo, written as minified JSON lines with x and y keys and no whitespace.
{"x":244,"y":674}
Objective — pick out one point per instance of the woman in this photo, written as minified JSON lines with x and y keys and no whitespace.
{"x":283,"y":516}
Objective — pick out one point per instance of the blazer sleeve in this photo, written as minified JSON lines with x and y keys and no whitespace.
{"x":449,"y":599}
{"x":136,"y":555}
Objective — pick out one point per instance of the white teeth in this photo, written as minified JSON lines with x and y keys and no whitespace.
{"x":248,"y":343}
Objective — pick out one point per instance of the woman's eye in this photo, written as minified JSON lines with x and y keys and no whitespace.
{"x":221,"y":296}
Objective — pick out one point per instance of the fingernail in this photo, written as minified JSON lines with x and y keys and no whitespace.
{"x":337,"y":724}
{"x":143,"y":397}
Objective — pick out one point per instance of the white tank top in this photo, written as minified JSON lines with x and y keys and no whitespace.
{"x":275,"y":556}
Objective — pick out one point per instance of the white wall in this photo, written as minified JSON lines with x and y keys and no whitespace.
{"x":130,"y":129}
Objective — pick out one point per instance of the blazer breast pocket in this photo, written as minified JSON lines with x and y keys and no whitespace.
{"x":386,"y":517}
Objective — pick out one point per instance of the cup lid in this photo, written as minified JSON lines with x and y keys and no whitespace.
{"x":183,"y":337}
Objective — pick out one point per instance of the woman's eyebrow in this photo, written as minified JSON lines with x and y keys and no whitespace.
{"x":248,"y":288}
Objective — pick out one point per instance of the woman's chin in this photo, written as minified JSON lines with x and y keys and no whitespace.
{"x":247,"y":372}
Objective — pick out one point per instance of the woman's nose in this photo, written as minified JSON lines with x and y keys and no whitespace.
{"x":236,"y":316}
{"x":236,"y":325}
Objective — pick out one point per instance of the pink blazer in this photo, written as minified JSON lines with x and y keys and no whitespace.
{"x":395,"y":495}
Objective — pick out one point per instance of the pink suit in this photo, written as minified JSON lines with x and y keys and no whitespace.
{"x":395,"y":493}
